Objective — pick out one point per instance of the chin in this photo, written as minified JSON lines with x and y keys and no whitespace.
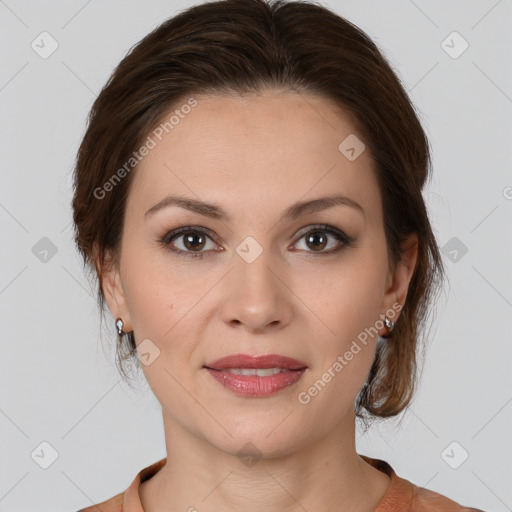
{"x":257,"y":440}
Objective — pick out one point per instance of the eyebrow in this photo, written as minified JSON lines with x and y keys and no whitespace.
{"x":293,"y":212}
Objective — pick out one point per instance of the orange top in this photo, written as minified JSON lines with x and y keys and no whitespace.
{"x":402,"y":495}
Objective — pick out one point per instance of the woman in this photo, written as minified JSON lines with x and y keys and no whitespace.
{"x":248,"y":193}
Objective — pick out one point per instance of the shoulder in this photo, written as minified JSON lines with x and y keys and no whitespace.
{"x":405,"y":496}
{"x":425,"y":500}
{"x":114,"y":504}
{"x":128,"y":500}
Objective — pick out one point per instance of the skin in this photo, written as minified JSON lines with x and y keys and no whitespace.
{"x":254,"y":156}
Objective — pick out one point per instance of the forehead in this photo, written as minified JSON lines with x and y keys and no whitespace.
{"x":278,"y":145}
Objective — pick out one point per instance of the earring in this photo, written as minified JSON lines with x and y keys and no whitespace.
{"x":390,"y":326}
{"x":119,"y":325}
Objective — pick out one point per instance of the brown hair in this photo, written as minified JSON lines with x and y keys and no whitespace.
{"x":239,"y":46}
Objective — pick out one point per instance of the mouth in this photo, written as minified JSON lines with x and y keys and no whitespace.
{"x":260,"y":372}
{"x":263,"y":362}
{"x":256,"y":376}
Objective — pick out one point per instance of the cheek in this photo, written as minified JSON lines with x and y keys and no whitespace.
{"x":353,"y":297}
{"x":163,"y":300}
{"x":350,"y":309}
{"x":151,"y":303}
{"x":345,"y":355}
{"x":154,"y":291}
{"x":161,"y":312}
{"x":350,"y":348}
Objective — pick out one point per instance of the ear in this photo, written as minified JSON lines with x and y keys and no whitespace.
{"x":113,"y":289}
{"x":398,"y":279}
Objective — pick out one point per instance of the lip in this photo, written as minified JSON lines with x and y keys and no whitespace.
{"x":258,"y":362}
{"x":254,"y":385}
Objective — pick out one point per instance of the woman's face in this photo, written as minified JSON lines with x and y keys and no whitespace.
{"x":256,"y":274}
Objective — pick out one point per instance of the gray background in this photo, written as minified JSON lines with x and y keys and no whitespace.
{"x":59,"y":386}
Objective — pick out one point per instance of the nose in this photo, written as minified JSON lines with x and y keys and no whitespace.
{"x":255,"y":294}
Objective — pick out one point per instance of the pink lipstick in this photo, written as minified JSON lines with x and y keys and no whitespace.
{"x":256,"y":376}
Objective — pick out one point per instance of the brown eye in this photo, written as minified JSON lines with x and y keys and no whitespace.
{"x":193,"y":241}
{"x":318,"y":238}
{"x":188,"y":242}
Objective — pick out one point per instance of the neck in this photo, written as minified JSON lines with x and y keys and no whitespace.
{"x":321,"y":475}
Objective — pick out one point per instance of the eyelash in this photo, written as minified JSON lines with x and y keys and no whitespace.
{"x":166,"y":240}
